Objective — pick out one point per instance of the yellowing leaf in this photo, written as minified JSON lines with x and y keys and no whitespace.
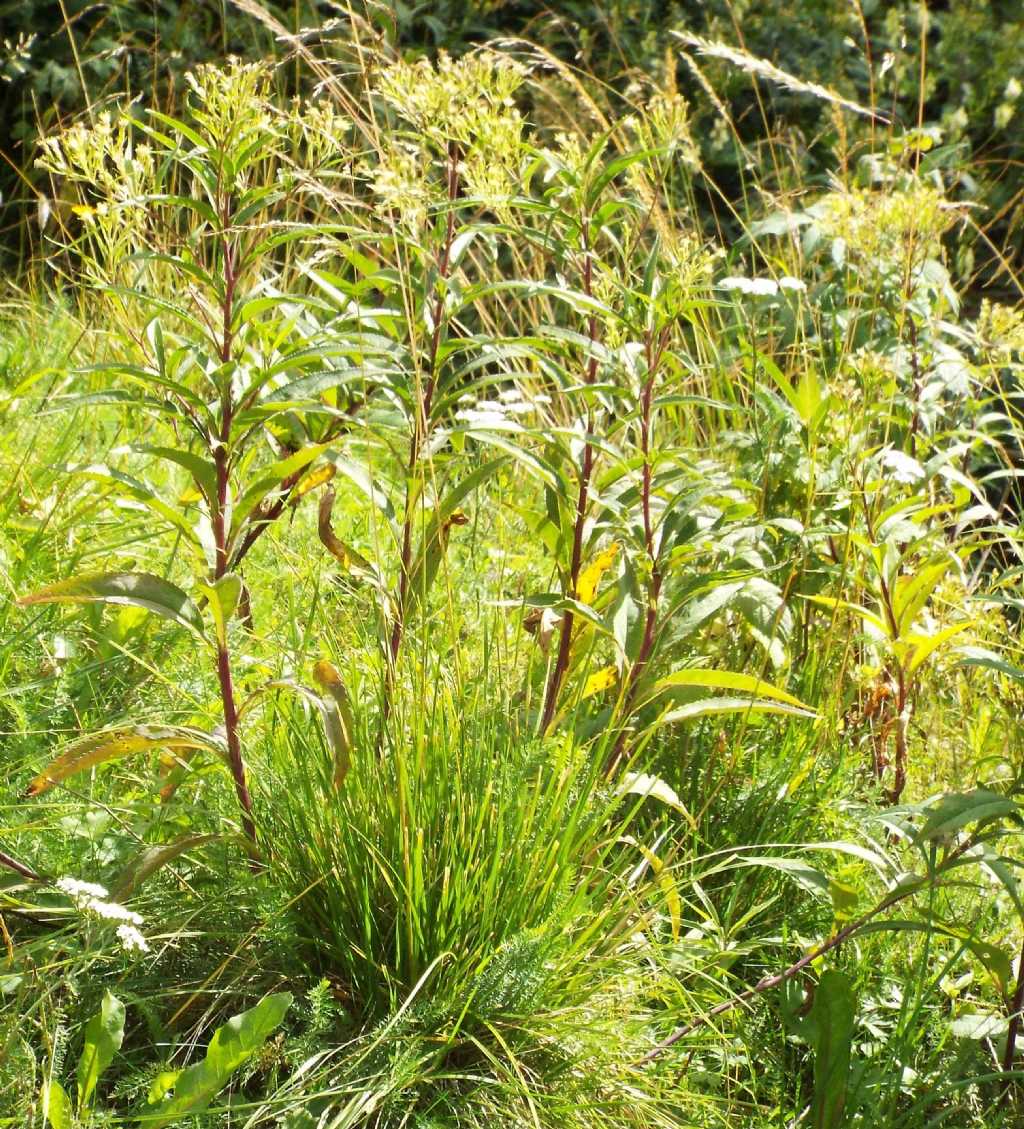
{"x":925,"y":645}
{"x":314,"y":479}
{"x":663,"y":876}
{"x":337,"y":715}
{"x":599,"y":680}
{"x":590,"y":578}
{"x":114,"y":744}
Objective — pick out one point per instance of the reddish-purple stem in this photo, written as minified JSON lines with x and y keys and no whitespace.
{"x":558,"y":671}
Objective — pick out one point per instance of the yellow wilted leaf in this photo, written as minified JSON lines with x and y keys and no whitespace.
{"x":599,"y":680}
{"x":663,"y":877}
{"x":315,"y":478}
{"x":337,"y":715}
{"x":590,"y":578}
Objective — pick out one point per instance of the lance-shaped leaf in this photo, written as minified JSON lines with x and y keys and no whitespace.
{"x":126,"y":487}
{"x":229,"y":1048}
{"x":138,"y":589}
{"x":956,"y":810}
{"x":833,"y":1016}
{"x":921,"y":647}
{"x":707,"y":706}
{"x":115,"y":744}
{"x":435,"y":538}
{"x":150,"y":859}
{"x":912,"y":592}
{"x":350,"y":560}
{"x":223,"y":595}
{"x":333,"y":707}
{"x":726,"y":680}
{"x":104,"y":1034}
{"x":56,"y":1106}
{"x":270,"y":480}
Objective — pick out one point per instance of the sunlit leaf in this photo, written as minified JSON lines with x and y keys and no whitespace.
{"x":138,"y":589}
{"x":115,"y":744}
{"x":230,"y":1047}
{"x":337,"y":716}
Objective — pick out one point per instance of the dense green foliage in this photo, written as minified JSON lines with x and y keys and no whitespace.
{"x":510,"y":608}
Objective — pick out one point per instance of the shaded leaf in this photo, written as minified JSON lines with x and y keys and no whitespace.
{"x":833,"y":1015}
{"x":337,"y":715}
{"x":150,"y":859}
{"x":104,"y":1034}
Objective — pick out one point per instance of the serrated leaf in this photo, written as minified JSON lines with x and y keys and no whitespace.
{"x":137,"y":589}
{"x":229,"y":1048}
{"x":104,"y":1034}
{"x":115,"y":744}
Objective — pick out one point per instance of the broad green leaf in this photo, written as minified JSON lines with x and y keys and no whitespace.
{"x":833,"y":1015}
{"x":57,"y":1106}
{"x":923,"y":646}
{"x":114,"y":744}
{"x":203,"y":472}
{"x":104,"y":1034}
{"x":955,"y":811}
{"x":138,"y":589}
{"x":150,"y":859}
{"x":979,"y":656}
{"x":229,"y":1048}
{"x":223,"y":595}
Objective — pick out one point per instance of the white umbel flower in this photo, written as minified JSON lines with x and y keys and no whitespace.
{"x":90,"y":899}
